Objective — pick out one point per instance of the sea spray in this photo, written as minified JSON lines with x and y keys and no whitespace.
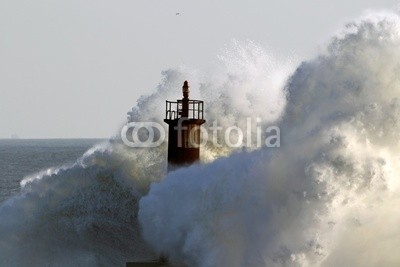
{"x":319,"y":199}
{"x":326,"y":197}
{"x":86,"y":214}
{"x":247,"y":83}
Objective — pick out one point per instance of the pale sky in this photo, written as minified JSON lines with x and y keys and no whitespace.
{"x":74,"y":68}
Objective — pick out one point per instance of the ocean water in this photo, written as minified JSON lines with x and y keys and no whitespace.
{"x":22,"y":157}
{"x":328,"y":196}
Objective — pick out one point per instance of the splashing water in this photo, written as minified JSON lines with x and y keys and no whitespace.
{"x":327,"y":197}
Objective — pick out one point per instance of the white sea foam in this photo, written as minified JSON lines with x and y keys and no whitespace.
{"x":327,"y":197}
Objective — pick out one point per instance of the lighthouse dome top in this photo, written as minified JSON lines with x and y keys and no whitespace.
{"x":185,"y":89}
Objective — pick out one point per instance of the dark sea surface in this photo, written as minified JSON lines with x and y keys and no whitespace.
{"x":23,"y":157}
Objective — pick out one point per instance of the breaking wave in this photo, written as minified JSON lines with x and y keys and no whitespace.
{"x":327,"y":197}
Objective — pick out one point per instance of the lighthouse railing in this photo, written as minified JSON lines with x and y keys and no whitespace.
{"x":173,"y":109}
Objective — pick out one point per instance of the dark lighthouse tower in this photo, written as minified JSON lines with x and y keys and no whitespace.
{"x":184,"y":118}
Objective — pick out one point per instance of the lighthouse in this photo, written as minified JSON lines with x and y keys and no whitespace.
{"x":184,"y":118}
